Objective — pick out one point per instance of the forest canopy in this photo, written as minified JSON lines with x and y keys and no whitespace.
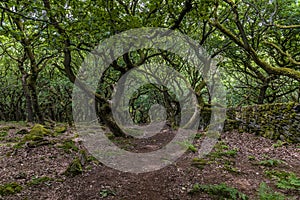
{"x":43,"y":44}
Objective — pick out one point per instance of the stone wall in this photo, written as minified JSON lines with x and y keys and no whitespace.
{"x":274,"y":121}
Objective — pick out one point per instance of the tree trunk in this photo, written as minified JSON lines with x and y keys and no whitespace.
{"x":35,"y":104}
{"x":106,"y":116}
{"x":262,"y":94}
{"x":28,"y":101}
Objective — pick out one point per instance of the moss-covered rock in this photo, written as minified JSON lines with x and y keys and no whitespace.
{"x":35,"y":137}
{"x":38,"y":132}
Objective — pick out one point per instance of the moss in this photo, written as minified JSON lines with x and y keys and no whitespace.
{"x":35,"y":137}
{"x":270,"y":162}
{"x":74,"y":168}
{"x":40,"y":180}
{"x":33,"y":144}
{"x":10,"y":188}
{"x":83,"y":157}
{"x":192,"y":148}
{"x":251,"y":157}
{"x":12,"y":139}
{"x":273,"y":121}
{"x":199,"y":163}
{"x":19,"y":145}
{"x":3,"y":133}
{"x":198,"y":136}
{"x":230,"y":168}
{"x":68,"y":146}
{"x":110,"y":136}
{"x":60,"y":129}
{"x":5,"y":128}
{"x":38,"y":132}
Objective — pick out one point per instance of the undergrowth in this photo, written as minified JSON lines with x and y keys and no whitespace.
{"x":222,"y":191}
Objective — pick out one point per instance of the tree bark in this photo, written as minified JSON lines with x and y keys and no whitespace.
{"x":29,"y":110}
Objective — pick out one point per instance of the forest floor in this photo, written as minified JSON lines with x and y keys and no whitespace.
{"x":55,"y":166}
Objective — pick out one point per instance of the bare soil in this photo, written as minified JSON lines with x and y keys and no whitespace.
{"x":97,"y":181}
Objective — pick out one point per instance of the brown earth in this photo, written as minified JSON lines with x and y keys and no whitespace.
{"x":240,"y":170}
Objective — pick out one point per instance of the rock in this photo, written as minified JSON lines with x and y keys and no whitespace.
{"x":38,"y":132}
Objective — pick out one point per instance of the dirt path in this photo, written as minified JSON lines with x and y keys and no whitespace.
{"x":240,"y":160}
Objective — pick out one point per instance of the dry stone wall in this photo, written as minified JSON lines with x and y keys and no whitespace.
{"x":274,"y":121}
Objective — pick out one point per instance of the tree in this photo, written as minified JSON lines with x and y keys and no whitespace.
{"x":258,"y":44}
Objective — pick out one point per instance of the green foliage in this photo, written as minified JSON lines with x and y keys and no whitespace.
{"x":39,"y":180}
{"x":266,"y":193}
{"x":199,"y":162}
{"x":222,"y":191}
{"x":192,"y":148}
{"x":228,"y":166}
{"x":3,"y":133}
{"x":261,"y":69}
{"x":285,"y":180}
{"x":187,"y":145}
{"x":105,"y":193}
{"x":251,"y":157}
{"x":60,"y":129}
{"x":279,"y":143}
{"x":74,"y":168}
{"x":221,"y":154}
{"x":19,"y":145}
{"x":68,"y":146}
{"x":10,"y":188}
{"x":221,"y":150}
{"x":198,"y":136}
{"x":270,"y":162}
